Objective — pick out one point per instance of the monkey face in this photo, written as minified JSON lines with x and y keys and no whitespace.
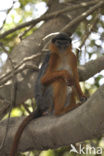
{"x":62,"y":41}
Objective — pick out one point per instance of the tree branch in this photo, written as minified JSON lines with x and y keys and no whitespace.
{"x":85,"y":122}
{"x":25,"y":86}
{"x":91,"y":68}
{"x":28,"y":47}
{"x":19,"y":68}
{"x":46,"y":17}
{"x":83,"y":16}
{"x":85,"y":71}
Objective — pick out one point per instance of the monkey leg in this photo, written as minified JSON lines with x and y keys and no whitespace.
{"x":60,"y":96}
{"x":72,"y":105}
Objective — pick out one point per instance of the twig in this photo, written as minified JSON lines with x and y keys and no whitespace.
{"x":25,"y":32}
{"x":13,"y":91}
{"x":90,"y":30}
{"x":30,"y":58}
{"x":87,"y":33}
{"x":25,"y":106}
{"x":19,"y":68}
{"x":20,"y":65}
{"x":13,"y":97}
{"x":8,"y":11}
{"x":22,"y":68}
{"x":5,"y":106}
{"x":46,"y":17}
{"x":77,"y":19}
{"x":83,"y":16}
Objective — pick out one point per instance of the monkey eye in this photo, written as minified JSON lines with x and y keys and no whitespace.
{"x":62,"y":42}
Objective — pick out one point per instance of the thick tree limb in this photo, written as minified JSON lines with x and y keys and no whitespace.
{"x":26,"y":48}
{"x":91,"y":68}
{"x":51,"y":132}
{"x":85,"y":71}
{"x":30,"y":46}
{"x":25,"y":88}
{"x":47,"y":16}
{"x":85,"y":122}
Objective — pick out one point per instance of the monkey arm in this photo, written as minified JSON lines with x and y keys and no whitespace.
{"x":82,"y":97}
{"x":51,"y":76}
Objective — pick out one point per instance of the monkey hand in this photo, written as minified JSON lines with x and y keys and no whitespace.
{"x":70,"y":82}
{"x":68,"y":79}
{"x":83,"y":98}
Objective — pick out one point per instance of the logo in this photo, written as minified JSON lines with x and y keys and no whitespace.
{"x":86,"y":149}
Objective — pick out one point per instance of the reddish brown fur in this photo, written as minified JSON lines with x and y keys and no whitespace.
{"x":58,"y":79}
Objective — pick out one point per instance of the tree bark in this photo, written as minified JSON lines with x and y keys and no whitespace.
{"x":84,"y":122}
{"x":27,"y":47}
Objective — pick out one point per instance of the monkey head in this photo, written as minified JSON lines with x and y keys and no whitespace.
{"x":62,"y":41}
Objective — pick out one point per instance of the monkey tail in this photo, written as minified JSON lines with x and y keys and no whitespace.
{"x":37,"y":113}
